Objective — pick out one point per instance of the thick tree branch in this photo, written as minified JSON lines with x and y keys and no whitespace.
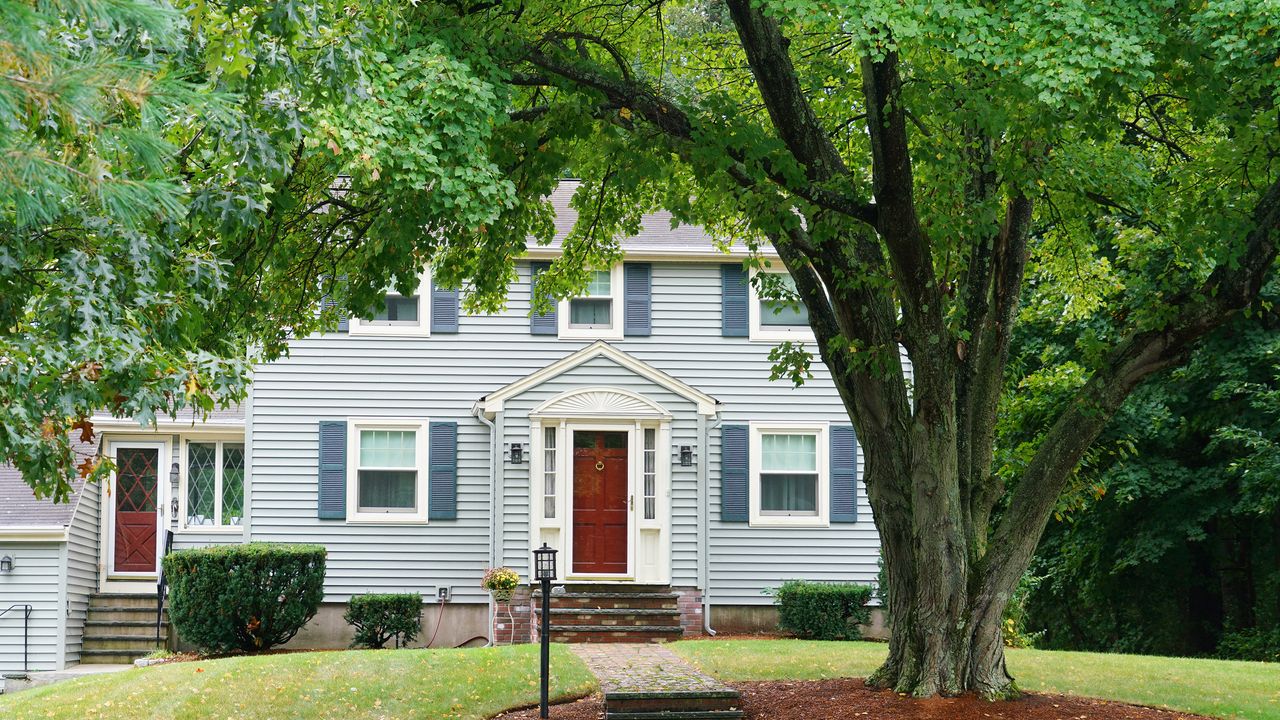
{"x":1230,"y":288}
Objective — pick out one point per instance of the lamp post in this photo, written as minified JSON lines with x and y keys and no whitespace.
{"x":544,"y":563}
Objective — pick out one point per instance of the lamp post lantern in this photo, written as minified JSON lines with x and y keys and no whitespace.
{"x":544,"y":567}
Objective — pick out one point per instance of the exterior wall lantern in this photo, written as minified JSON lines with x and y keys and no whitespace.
{"x":515,"y":453}
{"x":686,"y":455}
{"x":544,"y":569}
{"x":6,"y":564}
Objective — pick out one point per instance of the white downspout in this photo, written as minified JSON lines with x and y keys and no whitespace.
{"x":493,"y":504}
{"x":704,"y":502}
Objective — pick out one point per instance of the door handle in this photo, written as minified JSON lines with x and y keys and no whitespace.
{"x":631,"y":502}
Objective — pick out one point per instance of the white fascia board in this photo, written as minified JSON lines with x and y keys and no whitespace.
{"x":33,"y":533}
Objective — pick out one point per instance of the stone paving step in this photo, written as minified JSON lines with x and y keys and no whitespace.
{"x":612,"y":600}
{"x":615,"y":633}
{"x":650,"y":682}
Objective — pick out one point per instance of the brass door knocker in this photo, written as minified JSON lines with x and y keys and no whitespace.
{"x":599,"y":465}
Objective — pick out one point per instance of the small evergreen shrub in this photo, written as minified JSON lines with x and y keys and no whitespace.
{"x":244,"y":597}
{"x":379,"y":618}
{"x":823,"y":611}
{"x":1250,"y":644}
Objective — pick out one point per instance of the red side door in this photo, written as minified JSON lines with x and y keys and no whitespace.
{"x":600,"y":502}
{"x":136,"y":520}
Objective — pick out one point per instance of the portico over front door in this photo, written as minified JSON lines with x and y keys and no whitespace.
{"x":600,"y":502}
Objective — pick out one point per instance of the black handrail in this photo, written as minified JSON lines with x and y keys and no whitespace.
{"x":26,"y":625}
{"x":162,"y":585}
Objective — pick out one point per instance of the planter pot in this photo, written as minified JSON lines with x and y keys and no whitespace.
{"x":502,"y":594}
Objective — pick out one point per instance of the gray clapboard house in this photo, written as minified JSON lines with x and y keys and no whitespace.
{"x":635,"y":429}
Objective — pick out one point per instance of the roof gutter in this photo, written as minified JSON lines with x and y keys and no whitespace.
{"x":33,"y":533}
{"x":478,"y":411}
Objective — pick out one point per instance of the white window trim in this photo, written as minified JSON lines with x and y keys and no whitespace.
{"x":615,"y":329}
{"x":823,"y":518}
{"x":776,"y":333}
{"x":183,"y":479}
{"x":354,"y":516}
{"x":421,"y":329}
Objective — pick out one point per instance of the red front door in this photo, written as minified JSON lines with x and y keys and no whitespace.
{"x":599,"y":502}
{"x":136,"y":519}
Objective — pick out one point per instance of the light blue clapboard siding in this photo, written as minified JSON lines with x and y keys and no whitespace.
{"x":34,"y":580}
{"x":82,"y":567}
{"x":441,"y":377}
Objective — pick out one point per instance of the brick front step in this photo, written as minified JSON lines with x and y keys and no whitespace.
{"x":618,"y":617}
{"x":614,"y":633}
{"x":612,"y":600}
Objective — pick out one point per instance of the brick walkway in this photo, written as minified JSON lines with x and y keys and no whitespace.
{"x":647,"y":668}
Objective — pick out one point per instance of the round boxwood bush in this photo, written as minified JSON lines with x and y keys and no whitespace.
{"x":244,"y":597}
{"x":823,"y":610}
{"x":378,"y":619}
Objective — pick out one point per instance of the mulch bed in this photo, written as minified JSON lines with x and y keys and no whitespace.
{"x":850,"y":698}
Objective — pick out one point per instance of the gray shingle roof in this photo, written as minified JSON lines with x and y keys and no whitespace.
{"x":656,"y":234}
{"x":19,"y":506}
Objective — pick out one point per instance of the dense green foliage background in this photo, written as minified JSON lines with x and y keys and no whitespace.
{"x":1169,"y":541}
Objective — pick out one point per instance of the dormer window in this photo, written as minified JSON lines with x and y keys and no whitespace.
{"x":594,"y":315}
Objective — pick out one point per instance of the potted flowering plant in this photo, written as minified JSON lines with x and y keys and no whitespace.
{"x":500,"y":582}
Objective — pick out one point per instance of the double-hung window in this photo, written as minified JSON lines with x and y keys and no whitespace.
{"x":399,"y":314}
{"x":597,"y":312}
{"x":214,"y":493}
{"x":781,"y":316}
{"x":387,"y":480}
{"x":789,"y":474}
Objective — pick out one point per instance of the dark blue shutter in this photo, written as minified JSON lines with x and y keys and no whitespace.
{"x":844,"y":474}
{"x":444,"y":310}
{"x":735,"y":475}
{"x":734,"y":298}
{"x":637,"y":298}
{"x":327,"y":303}
{"x":544,"y":324}
{"x":442,"y":475}
{"x":332,"y":492}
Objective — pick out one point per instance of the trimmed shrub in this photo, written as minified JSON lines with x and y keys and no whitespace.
{"x":379,"y":618}
{"x":823,"y":611}
{"x":244,"y":597}
{"x":1250,"y":644}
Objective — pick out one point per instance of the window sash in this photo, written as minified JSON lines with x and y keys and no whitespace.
{"x":398,"y":310}
{"x":789,"y":494}
{"x":549,"y":473}
{"x":784,"y":313}
{"x":650,"y":489}
{"x":591,"y":313}
{"x":387,"y":470}
{"x":789,"y":452}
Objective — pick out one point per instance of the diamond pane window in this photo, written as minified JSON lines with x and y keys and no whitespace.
{"x":215,"y":484}
{"x":232,"y":483}
{"x":202,"y":482}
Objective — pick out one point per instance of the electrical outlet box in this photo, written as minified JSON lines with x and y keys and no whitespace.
{"x":443,"y":593}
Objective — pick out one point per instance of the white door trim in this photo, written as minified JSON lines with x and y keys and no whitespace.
{"x":164,"y":458}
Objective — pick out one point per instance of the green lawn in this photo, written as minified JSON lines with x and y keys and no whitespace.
{"x":357,"y":685}
{"x":1220,"y":688}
